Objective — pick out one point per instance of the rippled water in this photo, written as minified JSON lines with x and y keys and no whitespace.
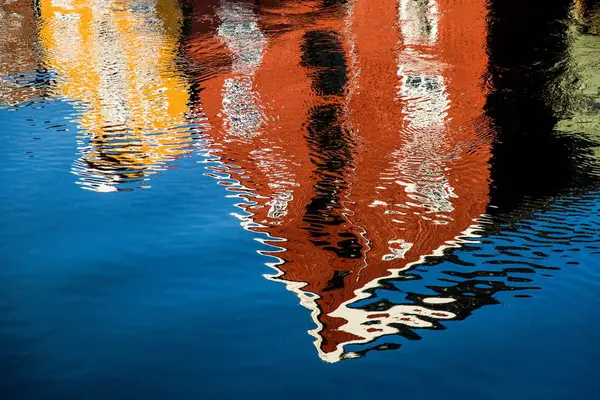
{"x":277,"y":194}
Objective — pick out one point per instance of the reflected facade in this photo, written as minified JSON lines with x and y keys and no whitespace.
{"x":372,"y":161}
{"x":116,"y":61}
{"x":354,"y":178}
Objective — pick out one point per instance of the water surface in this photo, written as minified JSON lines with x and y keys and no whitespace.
{"x":235,"y":198}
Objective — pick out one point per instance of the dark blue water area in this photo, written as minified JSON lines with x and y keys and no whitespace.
{"x":161,"y":294}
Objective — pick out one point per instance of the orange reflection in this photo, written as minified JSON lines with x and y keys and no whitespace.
{"x":434,"y":184}
{"x":356,"y":133}
{"x":116,"y":60}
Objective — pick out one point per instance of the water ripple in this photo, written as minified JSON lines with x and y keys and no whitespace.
{"x":401,"y":163}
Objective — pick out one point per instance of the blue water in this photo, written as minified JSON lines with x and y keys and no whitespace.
{"x":157,"y":292}
{"x":160,"y":294}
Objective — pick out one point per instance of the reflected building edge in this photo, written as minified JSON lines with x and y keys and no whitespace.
{"x":116,"y":61}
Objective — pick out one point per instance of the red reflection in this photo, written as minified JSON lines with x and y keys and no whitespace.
{"x":356,"y":130}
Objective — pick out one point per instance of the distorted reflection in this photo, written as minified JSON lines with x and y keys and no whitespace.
{"x":387,"y":154}
{"x":116,"y":62}
{"x":354,"y":178}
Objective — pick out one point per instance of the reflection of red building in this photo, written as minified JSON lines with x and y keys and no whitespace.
{"x":357,"y":133}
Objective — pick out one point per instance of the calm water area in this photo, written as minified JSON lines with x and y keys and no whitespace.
{"x":292,"y":199}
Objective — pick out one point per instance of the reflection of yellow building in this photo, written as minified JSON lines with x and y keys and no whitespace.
{"x":116,"y":61}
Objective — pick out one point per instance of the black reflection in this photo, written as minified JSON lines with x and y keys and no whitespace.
{"x":530,"y":82}
{"x":333,"y":3}
{"x":337,"y":280}
{"x":330,"y":145}
{"x":322,"y":52}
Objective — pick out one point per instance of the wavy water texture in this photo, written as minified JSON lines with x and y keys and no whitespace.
{"x":400,"y":166}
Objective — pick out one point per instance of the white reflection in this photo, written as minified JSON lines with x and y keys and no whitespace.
{"x":419,"y":21}
{"x":419,"y":165}
{"x":240,"y":32}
